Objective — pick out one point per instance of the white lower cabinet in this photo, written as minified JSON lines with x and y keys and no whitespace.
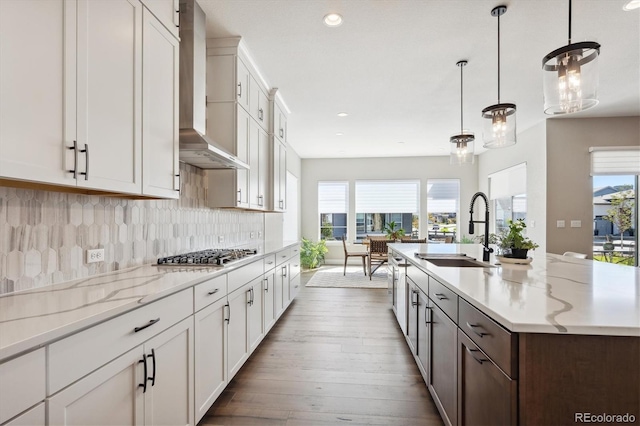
{"x":210,"y":355}
{"x":269,"y":312}
{"x":279,"y":285}
{"x":255,"y":319}
{"x":120,"y":393}
{"x":238,"y":342}
{"x":32,"y":417}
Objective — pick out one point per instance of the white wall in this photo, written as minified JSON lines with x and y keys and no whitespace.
{"x":352,"y":169}
{"x":530,"y":149}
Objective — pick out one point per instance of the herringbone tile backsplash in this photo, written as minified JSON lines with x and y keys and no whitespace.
{"x":44,"y":235}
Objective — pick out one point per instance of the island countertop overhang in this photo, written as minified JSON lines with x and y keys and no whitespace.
{"x":554,"y":294}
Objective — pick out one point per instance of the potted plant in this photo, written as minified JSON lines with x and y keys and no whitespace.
{"x":393,"y":233}
{"x":513,"y":243}
{"x":312,"y":254}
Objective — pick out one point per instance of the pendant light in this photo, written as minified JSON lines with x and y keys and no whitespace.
{"x":461,"y":143}
{"x":570,"y":77}
{"x":499,"y":128}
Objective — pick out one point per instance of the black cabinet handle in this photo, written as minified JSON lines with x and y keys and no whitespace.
{"x":471,"y":351}
{"x":239,"y":195}
{"x":213,"y":291}
{"x":143,"y":385}
{"x":75,"y":159}
{"x":260,"y":114}
{"x":149,"y":324}
{"x":441,"y":296}
{"x":266,"y":285}
{"x":178,"y":176}
{"x":178,"y":13}
{"x":412,"y":293}
{"x":473,"y":328}
{"x":427,"y":309}
{"x":86,"y":169}
{"x":153,"y":378}
{"x":228,"y":318}
{"x":250,"y":302}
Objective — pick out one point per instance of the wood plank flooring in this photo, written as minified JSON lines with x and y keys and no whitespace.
{"x":337,"y":356}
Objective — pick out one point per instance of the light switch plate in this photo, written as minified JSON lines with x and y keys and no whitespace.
{"x":220,"y":239}
{"x":576,"y":223}
{"x":560,"y":224}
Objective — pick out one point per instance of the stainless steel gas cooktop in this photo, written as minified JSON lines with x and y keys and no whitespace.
{"x":211,"y":257}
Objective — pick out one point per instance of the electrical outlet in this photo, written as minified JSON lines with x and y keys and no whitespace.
{"x":560,"y":224}
{"x":252,"y":235}
{"x":532,"y":223}
{"x":220,"y":239}
{"x":96,"y":255}
{"x":576,"y":224}
{"x":259,"y":234}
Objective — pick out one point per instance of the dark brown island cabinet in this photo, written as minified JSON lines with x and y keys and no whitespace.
{"x":480,"y":373}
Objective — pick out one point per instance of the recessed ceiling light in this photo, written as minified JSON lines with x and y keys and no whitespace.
{"x":339,"y":134}
{"x":342,"y":114}
{"x":633,"y":4}
{"x":333,"y":20}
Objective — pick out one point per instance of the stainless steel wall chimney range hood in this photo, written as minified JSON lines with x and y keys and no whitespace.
{"x":195,"y":147}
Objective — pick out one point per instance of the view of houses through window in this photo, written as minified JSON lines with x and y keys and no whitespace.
{"x":333,"y":206}
{"x":443,"y":206}
{"x":615,"y":219}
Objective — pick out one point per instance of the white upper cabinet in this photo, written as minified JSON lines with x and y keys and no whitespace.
{"x":34,"y":129}
{"x":167,"y":13}
{"x":77,"y":120}
{"x":279,"y":122}
{"x":259,"y":104}
{"x":160,"y":62}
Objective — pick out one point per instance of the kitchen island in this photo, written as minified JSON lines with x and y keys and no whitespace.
{"x":553,"y":342}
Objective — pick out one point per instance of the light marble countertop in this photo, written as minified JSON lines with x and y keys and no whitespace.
{"x":33,"y":318}
{"x":553,"y":294}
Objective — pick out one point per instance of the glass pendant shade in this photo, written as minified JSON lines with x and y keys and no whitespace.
{"x":499,"y":128}
{"x":570,"y":78}
{"x":462,"y":149}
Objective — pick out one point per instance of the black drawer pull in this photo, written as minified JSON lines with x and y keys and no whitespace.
{"x":471,"y":351}
{"x":441,"y":296}
{"x":149,"y":324}
{"x":213,"y":291}
{"x":228,"y":318}
{"x":153,"y":378}
{"x":473,"y":328}
{"x":143,"y":385}
{"x":427,"y":309}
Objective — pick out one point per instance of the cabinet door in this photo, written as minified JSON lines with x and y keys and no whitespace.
{"x":269,"y":301}
{"x":109,"y":85}
{"x":169,"y":397}
{"x":263,"y":168}
{"x":237,"y":340}
{"x":281,"y":123}
{"x":161,"y":56}
{"x":243,"y":84}
{"x":424,"y":319}
{"x":442,"y":374}
{"x":255,"y":201}
{"x":210,"y":350}
{"x":280,"y":277}
{"x":486,"y":396}
{"x":286,"y":284}
{"x":167,"y":12}
{"x":294,"y":287}
{"x":279,"y":175}
{"x":112,"y":395}
{"x":258,"y":104}
{"x":401,"y":301}
{"x":242,"y":152}
{"x":256,"y":319}
{"x":32,"y":417}
{"x":37,"y":102}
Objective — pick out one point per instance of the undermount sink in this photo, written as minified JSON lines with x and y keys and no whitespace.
{"x":454,"y":261}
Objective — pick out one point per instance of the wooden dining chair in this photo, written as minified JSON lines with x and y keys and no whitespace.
{"x":348,"y":254}
{"x":413,"y":240}
{"x":378,"y":253}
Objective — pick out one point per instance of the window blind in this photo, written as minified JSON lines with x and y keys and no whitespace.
{"x":508,"y":182}
{"x":387,"y":196}
{"x":333,"y":197}
{"x":623,"y":160}
{"x":443,"y":195}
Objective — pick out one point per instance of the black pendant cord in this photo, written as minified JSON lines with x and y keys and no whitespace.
{"x":498,"y":58}
{"x":569,"y":21}
{"x":461,"y":102}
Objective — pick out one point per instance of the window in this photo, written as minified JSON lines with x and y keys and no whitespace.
{"x":443,"y":206}
{"x":333,"y":202}
{"x":615,"y":172}
{"x":508,"y":193}
{"x":380,"y":202}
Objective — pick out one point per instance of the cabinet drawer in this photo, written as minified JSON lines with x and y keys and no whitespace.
{"x":22,"y":383}
{"x":209,"y":291}
{"x":33,"y":417}
{"x":294,"y":268}
{"x":446,"y":299}
{"x":295,"y":251}
{"x":499,"y":344}
{"x":282,"y":256}
{"x":78,"y":355}
{"x":419,"y":278}
{"x":241,"y":276}
{"x":269,"y":262}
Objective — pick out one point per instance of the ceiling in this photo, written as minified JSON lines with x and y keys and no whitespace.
{"x":391,"y":65}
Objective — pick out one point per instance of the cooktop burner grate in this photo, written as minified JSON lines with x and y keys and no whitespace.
{"x":211,"y":257}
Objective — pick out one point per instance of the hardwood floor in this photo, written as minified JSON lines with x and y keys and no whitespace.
{"x":337,"y":356}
